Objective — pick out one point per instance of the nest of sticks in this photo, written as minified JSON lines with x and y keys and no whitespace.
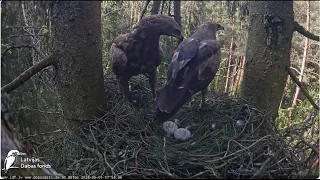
{"x":122,"y":143}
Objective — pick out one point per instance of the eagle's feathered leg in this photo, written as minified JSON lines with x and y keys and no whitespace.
{"x":152,"y":83}
{"x":124,"y":87}
{"x":203,"y":99}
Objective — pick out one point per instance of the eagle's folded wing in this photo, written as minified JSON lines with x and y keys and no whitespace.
{"x":184,"y":53}
{"x":118,"y":59}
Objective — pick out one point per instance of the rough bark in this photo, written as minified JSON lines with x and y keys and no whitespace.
{"x":267,"y":53}
{"x":155,"y":7}
{"x":76,"y":36}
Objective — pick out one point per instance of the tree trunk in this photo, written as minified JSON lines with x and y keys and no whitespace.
{"x":226,"y":87}
{"x":177,"y":16}
{"x":131,"y":15}
{"x":177,"y":11}
{"x":270,"y":32}
{"x":236,"y":74}
{"x":155,"y":7}
{"x":240,"y":74}
{"x":305,"y":57}
{"x":76,"y":37}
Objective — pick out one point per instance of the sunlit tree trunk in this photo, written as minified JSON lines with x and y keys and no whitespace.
{"x":305,"y":57}
{"x":131,"y":14}
{"x":226,"y":87}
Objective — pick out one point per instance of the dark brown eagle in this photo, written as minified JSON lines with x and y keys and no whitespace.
{"x":138,"y":52}
{"x":193,"y":67}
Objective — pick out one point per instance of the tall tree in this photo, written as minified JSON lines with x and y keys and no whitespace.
{"x":226,"y":88}
{"x":177,"y":15}
{"x":177,"y":11}
{"x":305,"y":56}
{"x":77,"y":56}
{"x":76,"y":37}
{"x":155,"y":7}
{"x":271,"y":25}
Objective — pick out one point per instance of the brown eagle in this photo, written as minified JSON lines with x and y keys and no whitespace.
{"x":138,"y":52}
{"x":193,"y":67}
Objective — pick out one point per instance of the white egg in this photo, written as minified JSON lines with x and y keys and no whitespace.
{"x":213,"y":126}
{"x":239,"y":123}
{"x":169,"y":127}
{"x":182,"y":134}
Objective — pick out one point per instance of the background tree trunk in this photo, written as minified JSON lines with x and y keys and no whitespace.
{"x":226,"y":88}
{"x":177,"y":11}
{"x":267,"y":53}
{"x":76,"y":35}
{"x":305,"y":58}
{"x":177,"y":16}
{"x":155,"y":7}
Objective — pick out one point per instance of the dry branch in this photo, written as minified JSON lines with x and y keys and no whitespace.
{"x":304,"y":91}
{"x":304,"y":32}
{"x":28,"y":74}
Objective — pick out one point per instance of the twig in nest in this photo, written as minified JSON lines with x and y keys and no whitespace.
{"x":258,"y":174}
{"x":40,"y":111}
{"x":165,"y":171}
{"x":105,"y":160}
{"x":164,"y":154}
{"x":93,"y":151}
{"x":46,"y":133}
{"x":246,"y":148}
{"x":199,"y":174}
{"x":136,"y":158}
{"x":124,"y":160}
